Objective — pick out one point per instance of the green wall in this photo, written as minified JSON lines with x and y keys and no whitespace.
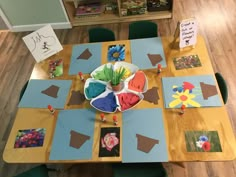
{"x":28,"y":12}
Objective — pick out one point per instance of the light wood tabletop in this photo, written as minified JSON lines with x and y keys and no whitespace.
{"x":207,"y":118}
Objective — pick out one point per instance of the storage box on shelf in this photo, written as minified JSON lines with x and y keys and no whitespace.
{"x":81,"y":12}
{"x":158,"y":5}
{"x":133,"y":7}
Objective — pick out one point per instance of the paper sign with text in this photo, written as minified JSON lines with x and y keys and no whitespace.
{"x":188,"y":33}
{"x":43,"y":43}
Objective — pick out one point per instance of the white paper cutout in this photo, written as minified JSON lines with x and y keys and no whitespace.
{"x":188,"y":33}
{"x":42,"y":43}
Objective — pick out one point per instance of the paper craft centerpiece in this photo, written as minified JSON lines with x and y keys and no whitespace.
{"x":117,"y":87}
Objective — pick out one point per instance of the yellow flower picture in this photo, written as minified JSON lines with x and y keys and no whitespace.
{"x":184,"y":98}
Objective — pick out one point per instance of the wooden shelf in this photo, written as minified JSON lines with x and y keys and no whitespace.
{"x":110,"y":18}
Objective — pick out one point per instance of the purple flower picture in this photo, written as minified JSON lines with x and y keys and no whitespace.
{"x":30,"y":138}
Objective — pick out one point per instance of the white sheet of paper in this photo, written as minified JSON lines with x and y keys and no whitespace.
{"x":188,"y":33}
{"x":43,"y":43}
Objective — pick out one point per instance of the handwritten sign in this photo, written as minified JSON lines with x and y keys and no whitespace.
{"x":43,"y":43}
{"x":188,"y":33}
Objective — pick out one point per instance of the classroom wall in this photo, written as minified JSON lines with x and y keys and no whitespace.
{"x":32,"y":12}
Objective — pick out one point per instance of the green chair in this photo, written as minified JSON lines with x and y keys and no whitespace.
{"x":39,"y":171}
{"x":223,"y":87}
{"x":23,"y":90}
{"x":139,"y":170}
{"x":101,"y":35}
{"x":142,"y":29}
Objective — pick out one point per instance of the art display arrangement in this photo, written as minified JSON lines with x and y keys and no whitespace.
{"x":191,"y":91}
{"x":115,"y":85}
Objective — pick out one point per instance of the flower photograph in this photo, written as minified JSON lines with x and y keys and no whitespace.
{"x":202,"y":141}
{"x":116,"y":53}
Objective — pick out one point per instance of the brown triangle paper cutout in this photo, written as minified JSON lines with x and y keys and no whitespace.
{"x":51,"y":91}
{"x":76,"y":98}
{"x":85,"y":55}
{"x":145,"y":144}
{"x":152,"y":95}
{"x":154,"y":58}
{"x":208,"y":90}
{"x":77,"y":139}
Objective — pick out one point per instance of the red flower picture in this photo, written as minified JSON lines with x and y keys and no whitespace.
{"x":206,"y":146}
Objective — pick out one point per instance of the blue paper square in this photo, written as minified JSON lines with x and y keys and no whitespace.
{"x":194,"y":97}
{"x":140,"y":48}
{"x":149,"y":123}
{"x":34,"y":98}
{"x":79,"y":120}
{"x":83,"y":65}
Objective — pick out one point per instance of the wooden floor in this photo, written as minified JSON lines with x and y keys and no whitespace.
{"x":217,"y":24}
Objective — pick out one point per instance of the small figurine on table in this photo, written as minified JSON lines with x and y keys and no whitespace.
{"x":158,"y":68}
{"x":81,"y":76}
{"x":115,"y":120}
{"x":182,"y":109}
{"x":51,"y":109}
{"x":103,"y":118}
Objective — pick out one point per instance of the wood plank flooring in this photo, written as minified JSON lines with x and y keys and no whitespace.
{"x":216,"y":21}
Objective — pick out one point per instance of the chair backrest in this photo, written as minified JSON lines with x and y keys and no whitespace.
{"x":100,"y":34}
{"x":142,"y":29}
{"x":38,"y":171}
{"x":139,"y":170}
{"x":223,"y":86}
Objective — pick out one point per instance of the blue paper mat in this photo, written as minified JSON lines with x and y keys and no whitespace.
{"x":149,"y":123}
{"x":83,"y":65}
{"x":79,"y":120}
{"x":141,"y":47}
{"x":33,"y":98}
{"x":174,"y":94}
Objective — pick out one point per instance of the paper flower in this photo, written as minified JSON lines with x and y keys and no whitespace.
{"x":177,"y":89}
{"x":184,"y":98}
{"x":127,"y":72}
{"x":188,"y":86}
{"x":116,"y":53}
{"x":185,"y":86}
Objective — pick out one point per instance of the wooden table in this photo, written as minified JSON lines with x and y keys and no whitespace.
{"x":212,"y":118}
